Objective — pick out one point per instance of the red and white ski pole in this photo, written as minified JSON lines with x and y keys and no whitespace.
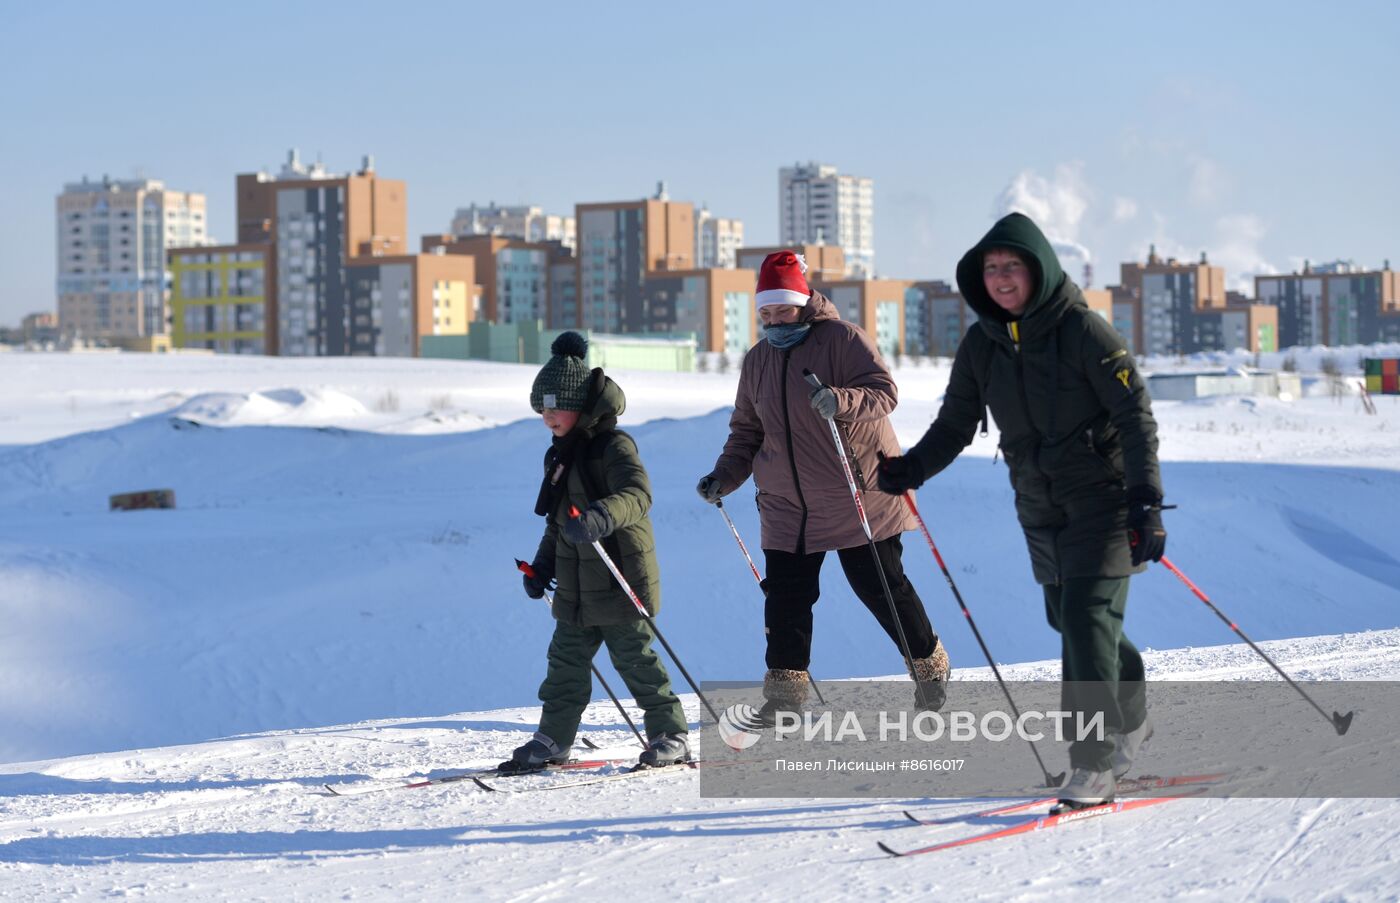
{"x":1339,"y":722}
{"x":642,"y":610}
{"x":719,"y":503}
{"x":1051,"y":780}
{"x":528,"y":571}
{"x":816,"y":383}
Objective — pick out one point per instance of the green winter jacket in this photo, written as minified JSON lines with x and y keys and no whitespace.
{"x":606,"y":468}
{"x":1075,"y":418}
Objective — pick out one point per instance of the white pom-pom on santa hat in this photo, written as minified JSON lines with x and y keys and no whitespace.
{"x":782,"y":279}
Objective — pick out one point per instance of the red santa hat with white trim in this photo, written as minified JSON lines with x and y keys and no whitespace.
{"x":782,"y":279}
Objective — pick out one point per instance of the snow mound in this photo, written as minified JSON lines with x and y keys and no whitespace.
{"x":299,"y":407}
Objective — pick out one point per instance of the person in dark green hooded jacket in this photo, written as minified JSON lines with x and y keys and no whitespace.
{"x":1080,"y":442}
{"x":594,"y":467}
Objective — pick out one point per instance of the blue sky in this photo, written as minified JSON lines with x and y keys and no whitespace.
{"x":1261,"y":133}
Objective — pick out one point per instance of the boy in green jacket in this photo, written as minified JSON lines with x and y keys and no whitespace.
{"x":593,"y":466}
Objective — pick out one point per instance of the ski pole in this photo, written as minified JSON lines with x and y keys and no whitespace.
{"x":642,"y":610}
{"x":816,"y":383}
{"x":719,"y":503}
{"x":1051,"y":780}
{"x":528,"y":571}
{"x":1339,"y":722}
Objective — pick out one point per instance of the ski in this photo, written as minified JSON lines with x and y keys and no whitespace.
{"x":1040,"y":823}
{"x":1131,"y":785}
{"x":589,"y":781}
{"x":361,"y":789}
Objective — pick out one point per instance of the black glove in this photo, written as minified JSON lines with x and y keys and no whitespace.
{"x":1145,"y":531}
{"x":897,"y":476}
{"x":538,"y":582}
{"x":708,"y":487}
{"x":590,"y":526}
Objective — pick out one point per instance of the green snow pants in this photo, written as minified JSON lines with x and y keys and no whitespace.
{"x":1101,"y":668}
{"x":568,"y":684}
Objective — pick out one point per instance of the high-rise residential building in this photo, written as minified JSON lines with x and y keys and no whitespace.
{"x":1171,"y":291}
{"x":825,"y":263}
{"x":875,"y":305}
{"x":563,"y":291}
{"x":524,"y":222}
{"x":220,"y":298}
{"x":1337,"y":303}
{"x":619,"y":243}
{"x":934,"y":318}
{"x":1125,"y":313}
{"x":319,"y":223}
{"x":818,"y":205}
{"x":716,"y":304}
{"x":514,"y":274}
{"x":717,"y":240}
{"x":1171,"y":307}
{"x":112,"y":237}
{"x":396,"y":299}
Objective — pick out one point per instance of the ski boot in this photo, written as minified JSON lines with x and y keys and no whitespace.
{"x":663,"y":750}
{"x":1086,"y":788}
{"x":538,"y":754}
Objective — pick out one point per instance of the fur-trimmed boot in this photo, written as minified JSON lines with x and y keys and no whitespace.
{"x":932,"y":674}
{"x":784,"y":690}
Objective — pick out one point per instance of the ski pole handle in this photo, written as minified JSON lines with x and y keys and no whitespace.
{"x":526,"y":569}
{"x":812,"y":379}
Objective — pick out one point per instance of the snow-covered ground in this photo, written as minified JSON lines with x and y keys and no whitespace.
{"x":342,"y":553}
{"x":245,"y":818}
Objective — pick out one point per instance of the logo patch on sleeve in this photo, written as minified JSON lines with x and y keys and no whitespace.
{"x":1123,"y":376}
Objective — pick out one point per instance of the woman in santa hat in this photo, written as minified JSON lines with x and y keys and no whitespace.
{"x":779,"y":435}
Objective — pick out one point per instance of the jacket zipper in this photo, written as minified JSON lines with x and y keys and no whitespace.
{"x":1015,"y":331}
{"x":792,"y":458}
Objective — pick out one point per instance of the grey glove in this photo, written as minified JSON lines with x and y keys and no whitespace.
{"x":824,"y":402}
{"x":708,"y":487}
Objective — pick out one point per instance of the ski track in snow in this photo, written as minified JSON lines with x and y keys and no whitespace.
{"x":341,"y":554}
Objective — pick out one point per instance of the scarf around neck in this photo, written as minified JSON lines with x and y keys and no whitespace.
{"x":786,"y":335}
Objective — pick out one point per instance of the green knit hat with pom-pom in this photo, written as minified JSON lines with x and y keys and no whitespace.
{"x":562,"y":383}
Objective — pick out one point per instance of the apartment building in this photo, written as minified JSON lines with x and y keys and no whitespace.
{"x":717,"y":240}
{"x":619,"y":244}
{"x":875,"y":305}
{"x":220,"y":298}
{"x":825,"y":263}
{"x":397,"y":299}
{"x":716,"y":304}
{"x":819,"y":205}
{"x":524,"y":222}
{"x":515,"y":275}
{"x":318,"y":223}
{"x":934,"y":318}
{"x":111,"y":242}
{"x":1336,"y":303}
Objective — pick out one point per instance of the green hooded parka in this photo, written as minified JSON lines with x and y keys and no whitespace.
{"x":605,"y":468}
{"x":1075,"y":419}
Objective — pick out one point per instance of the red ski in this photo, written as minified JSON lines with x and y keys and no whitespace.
{"x":1041,"y":822}
{"x":1132,"y":785}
